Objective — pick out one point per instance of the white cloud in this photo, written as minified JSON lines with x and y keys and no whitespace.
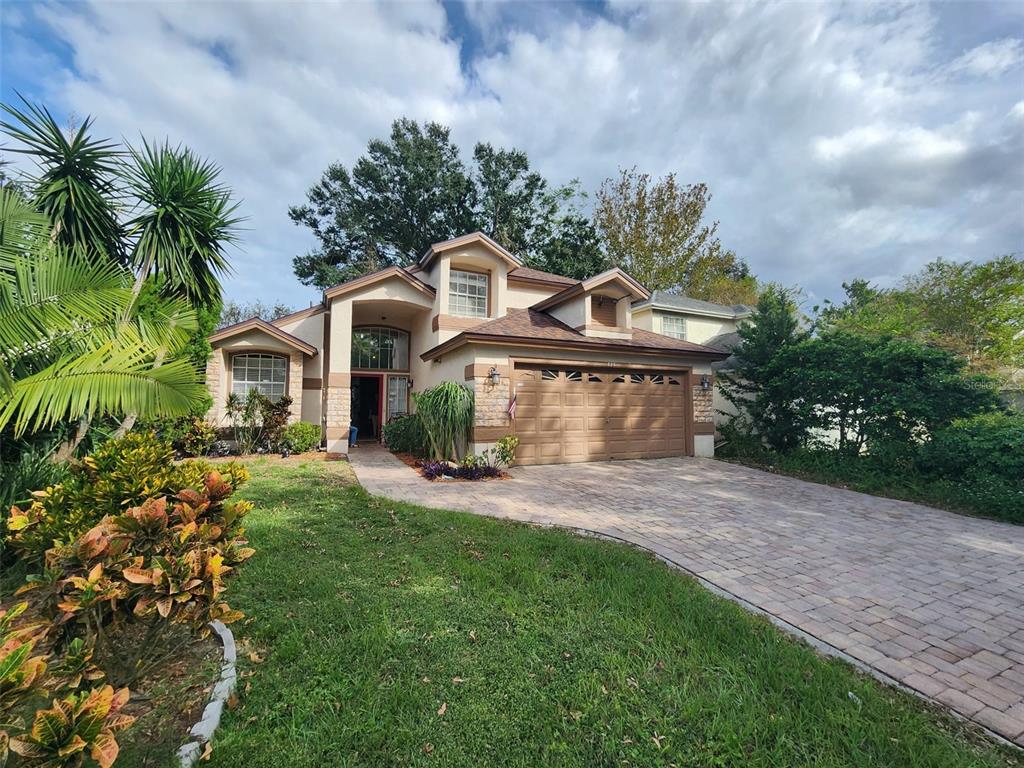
{"x":830,"y":136}
{"x":990,"y":59}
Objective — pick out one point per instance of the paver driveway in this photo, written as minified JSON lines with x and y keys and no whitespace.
{"x":932,"y":599}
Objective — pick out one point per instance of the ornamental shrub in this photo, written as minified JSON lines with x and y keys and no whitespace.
{"x":301,"y":436}
{"x":118,"y":475}
{"x":988,"y":445}
{"x":405,"y":435}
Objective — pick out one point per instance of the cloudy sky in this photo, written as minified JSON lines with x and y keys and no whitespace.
{"x":839,"y":141}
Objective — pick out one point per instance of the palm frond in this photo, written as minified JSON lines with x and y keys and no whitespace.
{"x":186,"y":218}
{"x":57,"y":292}
{"x":76,"y":184}
{"x":113,"y":380}
{"x":22,"y":228}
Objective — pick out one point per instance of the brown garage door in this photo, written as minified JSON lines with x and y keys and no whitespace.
{"x":570,"y":414}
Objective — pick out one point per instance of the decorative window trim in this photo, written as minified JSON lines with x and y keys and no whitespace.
{"x":263,"y":371}
{"x":390,"y":356}
{"x":673,"y":326}
{"x":469,"y":293}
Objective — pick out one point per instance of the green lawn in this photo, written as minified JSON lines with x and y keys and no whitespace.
{"x":390,"y":635}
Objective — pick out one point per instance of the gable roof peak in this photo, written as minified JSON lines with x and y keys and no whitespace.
{"x":473,"y":237}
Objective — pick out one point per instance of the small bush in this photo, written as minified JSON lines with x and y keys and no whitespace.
{"x":301,"y":436}
{"x":118,"y":475}
{"x":470,"y":468}
{"x":988,"y":445}
{"x":189,"y":435}
{"x":406,"y":435}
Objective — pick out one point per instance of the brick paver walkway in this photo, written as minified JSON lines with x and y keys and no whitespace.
{"x":932,"y":599}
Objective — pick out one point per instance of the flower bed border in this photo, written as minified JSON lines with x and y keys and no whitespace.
{"x":201,"y":733}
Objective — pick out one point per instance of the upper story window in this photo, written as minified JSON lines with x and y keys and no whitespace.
{"x":264,"y":373}
{"x":674,"y":326}
{"x":380,"y":349}
{"x":467,"y":293}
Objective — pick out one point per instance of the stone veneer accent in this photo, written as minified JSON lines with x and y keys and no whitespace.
{"x":295,"y":386}
{"x":339,"y":417}
{"x":703,"y":410}
{"x":491,"y":402}
{"x":214,"y":371}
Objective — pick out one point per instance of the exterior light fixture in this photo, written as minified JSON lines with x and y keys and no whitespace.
{"x":705,"y":382}
{"x":494,"y":376}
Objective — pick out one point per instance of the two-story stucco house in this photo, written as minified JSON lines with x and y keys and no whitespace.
{"x":597,"y":369}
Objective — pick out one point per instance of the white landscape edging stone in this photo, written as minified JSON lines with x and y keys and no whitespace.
{"x":202,"y":731}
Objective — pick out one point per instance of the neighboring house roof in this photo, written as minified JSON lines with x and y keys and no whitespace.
{"x":376,"y":277}
{"x":671,"y":301}
{"x":458,"y":242}
{"x":256,"y":324}
{"x":539,"y":276}
{"x":529,"y":327}
{"x":727,"y":342}
{"x":612,"y":275}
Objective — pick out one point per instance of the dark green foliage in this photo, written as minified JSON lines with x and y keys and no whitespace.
{"x":184,"y":220}
{"x":406,"y":435}
{"x":275,"y":419}
{"x":875,"y":390}
{"x":973,"y":309}
{"x":418,"y":173}
{"x":301,"y":436}
{"x":77,"y":187}
{"x":988,"y":445}
{"x":574,"y":251}
{"x":760,"y":386}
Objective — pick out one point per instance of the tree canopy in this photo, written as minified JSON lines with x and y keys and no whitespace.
{"x":413,"y":189}
{"x":656,"y":231}
{"x":975,"y":310}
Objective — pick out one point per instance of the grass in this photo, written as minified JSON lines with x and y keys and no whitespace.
{"x":382,"y":634}
{"x":989,"y":496}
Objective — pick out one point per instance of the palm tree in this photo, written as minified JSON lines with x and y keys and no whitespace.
{"x":70,"y":344}
{"x":159,"y":213}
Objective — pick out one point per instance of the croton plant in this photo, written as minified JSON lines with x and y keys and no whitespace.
{"x":94,"y":621}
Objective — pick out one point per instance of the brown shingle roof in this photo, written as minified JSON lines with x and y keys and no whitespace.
{"x":523,"y":326}
{"x":527,"y":273}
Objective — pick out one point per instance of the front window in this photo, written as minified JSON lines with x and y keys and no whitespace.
{"x":266,"y":374}
{"x":674,"y":326}
{"x":467,"y":294}
{"x":380,"y":349}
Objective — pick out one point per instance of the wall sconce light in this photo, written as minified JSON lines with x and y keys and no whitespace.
{"x":494,"y":376}
{"x":705,"y":382}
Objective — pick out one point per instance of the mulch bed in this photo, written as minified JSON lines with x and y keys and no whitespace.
{"x":412,"y":461}
{"x":168,"y":702}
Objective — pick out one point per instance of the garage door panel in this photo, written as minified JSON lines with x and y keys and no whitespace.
{"x":572,"y":414}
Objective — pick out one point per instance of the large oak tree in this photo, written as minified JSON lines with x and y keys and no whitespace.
{"x":413,"y":189}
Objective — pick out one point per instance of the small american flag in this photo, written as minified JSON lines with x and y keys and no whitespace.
{"x":512,"y":407}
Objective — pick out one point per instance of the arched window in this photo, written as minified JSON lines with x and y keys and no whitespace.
{"x":380,"y":349}
{"x":260,"y":371}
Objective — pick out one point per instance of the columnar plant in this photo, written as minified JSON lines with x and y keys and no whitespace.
{"x":446,"y":412}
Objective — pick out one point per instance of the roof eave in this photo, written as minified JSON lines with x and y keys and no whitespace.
{"x":689,"y":310}
{"x":532,"y":341}
{"x":257,"y":324}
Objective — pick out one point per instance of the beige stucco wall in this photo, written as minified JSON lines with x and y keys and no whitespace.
{"x":575,"y":312}
{"x":520,"y":296}
{"x":699,"y":329}
{"x":310,"y":330}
